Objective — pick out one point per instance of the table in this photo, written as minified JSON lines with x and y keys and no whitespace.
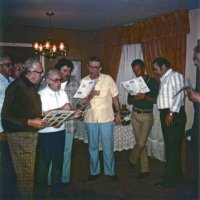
{"x":124,"y":139}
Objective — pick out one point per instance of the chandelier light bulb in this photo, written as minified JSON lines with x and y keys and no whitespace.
{"x":48,"y":49}
{"x":40,"y":48}
{"x":62,"y":46}
{"x":54,"y":49}
{"x":47,"y":45}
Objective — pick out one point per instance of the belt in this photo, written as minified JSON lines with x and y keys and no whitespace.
{"x":140,"y":111}
{"x":2,"y":136}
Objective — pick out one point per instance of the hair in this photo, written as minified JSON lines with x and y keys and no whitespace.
{"x":64,"y":62}
{"x":28,"y":65}
{"x":197,"y":48}
{"x":4,"y":57}
{"x":138,"y":62}
{"x":94,"y":58}
{"x":50,"y":71}
{"x":160,"y":61}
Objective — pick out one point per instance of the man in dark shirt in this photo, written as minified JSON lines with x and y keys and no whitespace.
{"x":194,"y":96}
{"x":21,"y":118}
{"x":142,"y":119}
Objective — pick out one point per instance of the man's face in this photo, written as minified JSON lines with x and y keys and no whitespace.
{"x":35,"y":75}
{"x":54,"y":81}
{"x":94,"y":69}
{"x":196,"y":59}
{"x":6,"y":67}
{"x":158,"y":70}
{"x":138,"y":70}
{"x":65,"y":73}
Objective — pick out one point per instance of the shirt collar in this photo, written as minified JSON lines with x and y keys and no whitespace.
{"x":168,"y":72}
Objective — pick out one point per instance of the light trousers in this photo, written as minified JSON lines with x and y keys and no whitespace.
{"x":142,"y":124}
{"x":103,"y":132}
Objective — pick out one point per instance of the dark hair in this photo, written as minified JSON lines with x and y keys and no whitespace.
{"x":160,"y":61}
{"x":94,"y":58}
{"x":197,"y":49}
{"x":138,"y":62}
{"x":64,"y":62}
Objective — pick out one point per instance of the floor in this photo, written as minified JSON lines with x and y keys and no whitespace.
{"x":127,"y":188}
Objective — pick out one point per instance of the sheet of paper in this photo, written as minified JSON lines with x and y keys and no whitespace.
{"x":85,"y":88}
{"x":135,"y":86}
{"x":57,"y":117}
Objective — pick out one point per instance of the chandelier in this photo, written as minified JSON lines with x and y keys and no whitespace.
{"x":48,"y":49}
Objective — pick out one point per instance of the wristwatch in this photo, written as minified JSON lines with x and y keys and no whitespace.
{"x":171,"y":114}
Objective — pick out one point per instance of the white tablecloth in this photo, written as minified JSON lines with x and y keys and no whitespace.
{"x":124,"y":139}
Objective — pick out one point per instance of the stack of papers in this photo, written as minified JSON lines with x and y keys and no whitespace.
{"x":135,"y":86}
{"x":85,"y":88}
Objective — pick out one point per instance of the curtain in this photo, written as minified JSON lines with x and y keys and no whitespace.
{"x":129,"y":53}
{"x":160,"y":36}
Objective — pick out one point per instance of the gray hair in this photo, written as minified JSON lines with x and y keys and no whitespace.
{"x":29,"y":63}
{"x":51,"y":71}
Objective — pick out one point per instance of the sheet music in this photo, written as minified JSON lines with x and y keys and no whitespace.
{"x":57,"y":117}
{"x":135,"y":86}
{"x":85,"y":88}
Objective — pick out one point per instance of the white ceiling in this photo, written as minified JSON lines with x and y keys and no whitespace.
{"x":87,"y":14}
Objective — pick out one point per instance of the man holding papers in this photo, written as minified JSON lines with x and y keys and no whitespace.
{"x":142,"y":118}
{"x":99,"y":119}
{"x":51,"y":140}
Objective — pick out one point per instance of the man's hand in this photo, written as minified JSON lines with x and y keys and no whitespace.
{"x":193,"y":96}
{"x":37,"y":123}
{"x":78,"y":113}
{"x":66,"y":106}
{"x":169,"y":119}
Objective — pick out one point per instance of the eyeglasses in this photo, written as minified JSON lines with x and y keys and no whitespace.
{"x":40,"y":73}
{"x":93,"y":67}
{"x":6,"y":64}
{"x":55,"y":80}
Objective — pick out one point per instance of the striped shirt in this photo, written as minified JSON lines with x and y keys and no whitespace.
{"x":170,"y":83}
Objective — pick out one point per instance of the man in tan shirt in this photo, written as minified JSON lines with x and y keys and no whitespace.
{"x":99,"y":119}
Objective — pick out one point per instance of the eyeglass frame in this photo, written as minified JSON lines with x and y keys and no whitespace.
{"x":7,"y":64}
{"x":55,"y":80}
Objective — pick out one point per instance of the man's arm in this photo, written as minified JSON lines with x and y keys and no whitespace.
{"x":193,"y":96}
{"x":117,"y":109}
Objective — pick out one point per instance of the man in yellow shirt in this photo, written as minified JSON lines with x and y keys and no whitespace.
{"x":99,"y":119}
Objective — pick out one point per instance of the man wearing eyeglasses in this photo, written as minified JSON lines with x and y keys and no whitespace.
{"x":99,"y":120}
{"x":21,"y":119}
{"x":170,"y":103}
{"x":7,"y":174}
{"x":194,"y":96}
{"x":51,"y":139}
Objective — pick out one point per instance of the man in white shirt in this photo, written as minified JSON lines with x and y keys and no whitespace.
{"x":51,"y":140}
{"x":170,"y":103}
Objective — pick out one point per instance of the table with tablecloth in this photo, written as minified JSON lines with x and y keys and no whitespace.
{"x":124,"y":138}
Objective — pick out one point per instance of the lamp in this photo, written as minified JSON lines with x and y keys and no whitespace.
{"x":49,"y":49}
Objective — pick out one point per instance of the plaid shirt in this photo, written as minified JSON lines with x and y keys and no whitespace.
{"x":71,"y":88}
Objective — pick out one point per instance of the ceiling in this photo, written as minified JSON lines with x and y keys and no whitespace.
{"x":87,"y":15}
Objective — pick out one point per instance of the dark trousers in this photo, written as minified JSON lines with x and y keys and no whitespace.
{"x":50,"y":149}
{"x":7,"y":173}
{"x":173,"y":137}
